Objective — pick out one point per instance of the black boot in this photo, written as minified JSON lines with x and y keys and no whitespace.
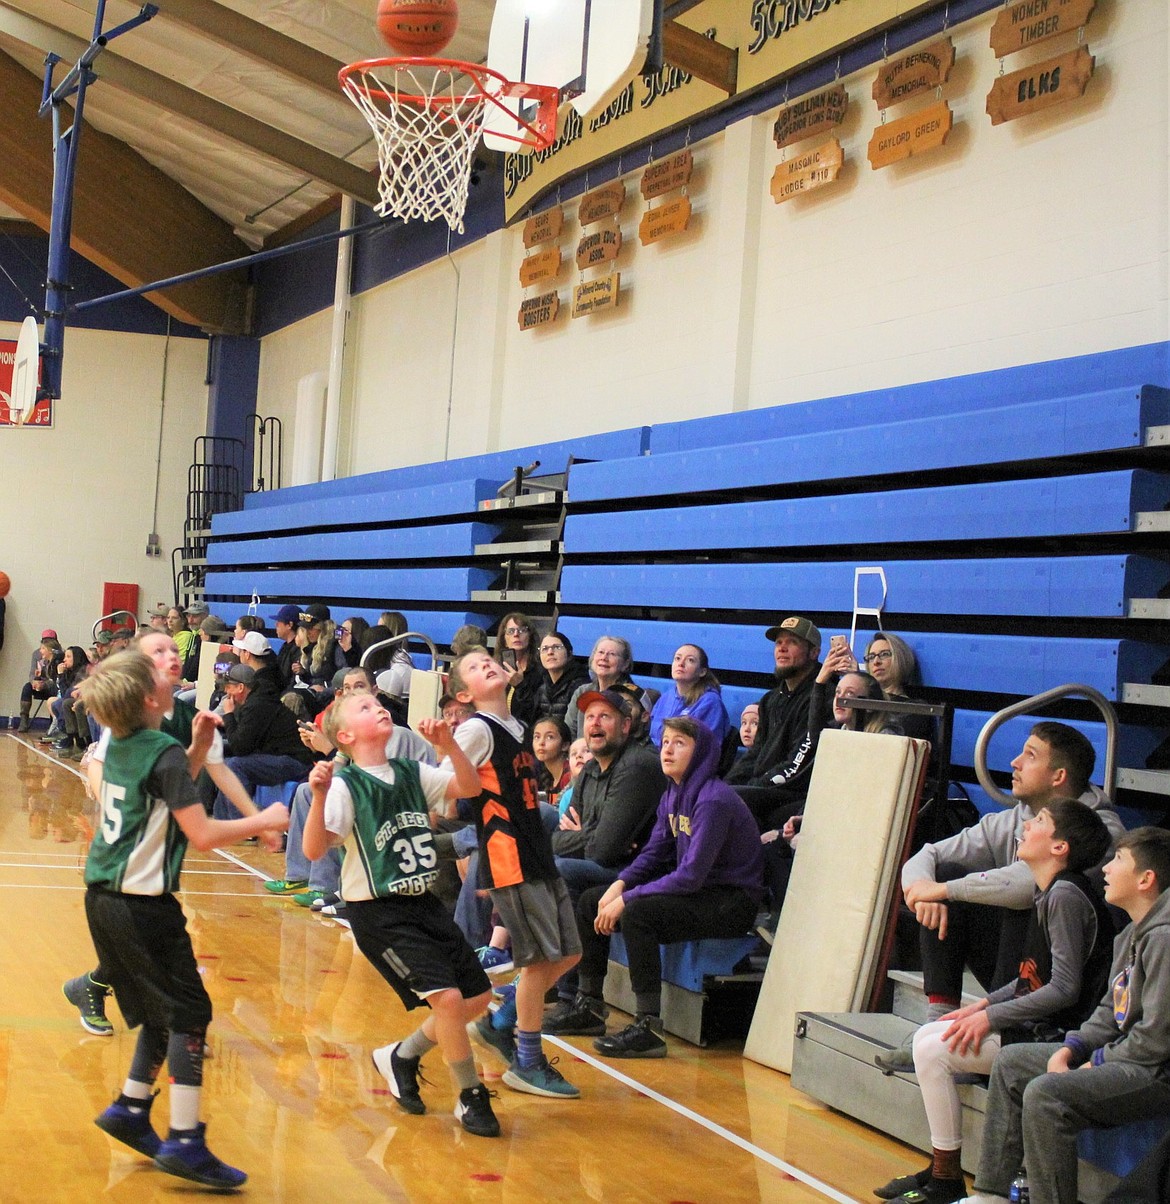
{"x":25,"y":708}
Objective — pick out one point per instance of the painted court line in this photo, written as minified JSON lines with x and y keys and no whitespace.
{"x":241,"y":863}
{"x":822,"y":1188}
{"x":52,"y":760}
{"x":210,"y":894}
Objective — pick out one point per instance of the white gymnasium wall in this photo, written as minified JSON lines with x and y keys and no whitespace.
{"x":1037,"y":239}
{"x":79,"y":497}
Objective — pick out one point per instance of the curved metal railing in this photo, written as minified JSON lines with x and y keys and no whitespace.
{"x":1030,"y":704}
{"x":113,"y":615}
{"x":398,"y":639}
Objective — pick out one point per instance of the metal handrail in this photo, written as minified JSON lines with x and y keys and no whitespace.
{"x":398,"y":639}
{"x":1029,"y":704}
{"x":112,"y":615}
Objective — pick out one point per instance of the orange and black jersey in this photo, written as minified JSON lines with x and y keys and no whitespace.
{"x":513,"y":844}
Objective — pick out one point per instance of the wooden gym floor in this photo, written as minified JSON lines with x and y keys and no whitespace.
{"x":291,"y":1096}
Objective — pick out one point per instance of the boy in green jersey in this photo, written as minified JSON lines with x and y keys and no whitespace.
{"x":149,"y":813}
{"x":378,"y":811}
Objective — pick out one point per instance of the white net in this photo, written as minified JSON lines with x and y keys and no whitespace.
{"x":427,"y":122}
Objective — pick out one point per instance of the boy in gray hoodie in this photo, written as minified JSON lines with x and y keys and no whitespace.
{"x":1114,"y":1069}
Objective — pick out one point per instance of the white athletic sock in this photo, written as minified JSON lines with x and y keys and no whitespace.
{"x":184,"y":1107}
{"x":133,"y":1089}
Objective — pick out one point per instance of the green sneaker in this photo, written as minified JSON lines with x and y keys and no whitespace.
{"x":89,"y":998}
{"x":544,"y":1080}
{"x":285,"y":886}
{"x":308,"y":897}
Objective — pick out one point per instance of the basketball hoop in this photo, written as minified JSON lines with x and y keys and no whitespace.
{"x":427,"y":116}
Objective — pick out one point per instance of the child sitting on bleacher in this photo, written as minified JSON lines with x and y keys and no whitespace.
{"x":1111,"y":1070}
{"x":1062,"y":974}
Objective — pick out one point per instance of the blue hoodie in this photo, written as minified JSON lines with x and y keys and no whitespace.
{"x":703,"y":836}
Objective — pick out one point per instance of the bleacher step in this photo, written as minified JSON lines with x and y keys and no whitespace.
{"x":1146,"y":521}
{"x":524,"y":502}
{"x":542,"y":596}
{"x":1157,"y":436}
{"x":910,"y":1001}
{"x":1141,"y":694}
{"x":1150,"y":781}
{"x":523,"y":547}
{"x":1149,"y":608}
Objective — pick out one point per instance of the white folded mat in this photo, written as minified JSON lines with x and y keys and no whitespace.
{"x":860,"y":802}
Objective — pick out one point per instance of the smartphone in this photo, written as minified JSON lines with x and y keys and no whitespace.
{"x":838,"y":643}
{"x":305,"y":725}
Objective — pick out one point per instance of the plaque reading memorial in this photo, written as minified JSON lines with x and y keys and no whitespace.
{"x":920,"y":71}
{"x":544,"y":265}
{"x":539,"y":311}
{"x":664,"y":220}
{"x":602,"y":202}
{"x":544,"y":227}
{"x":923,"y":131}
{"x":1031,"y":21}
{"x":595,"y":295}
{"x":667,"y":174}
{"x":1040,"y":86}
{"x":812,"y":115}
{"x":807,"y":172}
{"x":599,"y":246}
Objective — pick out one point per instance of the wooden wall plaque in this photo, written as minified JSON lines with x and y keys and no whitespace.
{"x":1040,"y":86}
{"x":923,"y":131}
{"x":919,"y":71}
{"x":664,"y":220}
{"x":812,"y":115}
{"x":1032,"y":21}
{"x":544,"y":265}
{"x":595,"y":295}
{"x":605,"y":201}
{"x":667,"y":174}
{"x":544,"y":227}
{"x":599,"y":246}
{"x":807,"y":172}
{"x":539,"y":311}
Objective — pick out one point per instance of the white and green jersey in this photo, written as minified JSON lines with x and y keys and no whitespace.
{"x":381,"y":815}
{"x":138,"y":847}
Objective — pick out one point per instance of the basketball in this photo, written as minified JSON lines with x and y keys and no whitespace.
{"x":417,"y":28}
{"x":5,"y":585}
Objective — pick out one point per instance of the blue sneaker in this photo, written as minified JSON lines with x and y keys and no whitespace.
{"x":185,"y":1153}
{"x":541,"y":1080}
{"x":128,"y":1121}
{"x":495,"y":961}
{"x":500,"y":1041}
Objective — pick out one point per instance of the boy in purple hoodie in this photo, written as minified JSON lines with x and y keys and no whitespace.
{"x":700,"y":875}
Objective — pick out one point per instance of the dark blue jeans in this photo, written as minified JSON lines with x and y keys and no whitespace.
{"x":259,"y":769}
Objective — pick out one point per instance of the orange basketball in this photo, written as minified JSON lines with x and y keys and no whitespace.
{"x":5,"y":585}
{"x":418,"y":28}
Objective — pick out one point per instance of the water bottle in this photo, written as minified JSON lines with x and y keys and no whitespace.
{"x":1018,"y":1192}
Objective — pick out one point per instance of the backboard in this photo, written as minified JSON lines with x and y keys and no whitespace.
{"x":590,"y":49}
{"x":25,"y":373}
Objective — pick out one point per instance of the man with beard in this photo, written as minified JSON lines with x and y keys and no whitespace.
{"x":773,"y":775}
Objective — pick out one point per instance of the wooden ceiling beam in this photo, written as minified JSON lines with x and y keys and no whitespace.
{"x":195,"y":106}
{"x":128,"y":217}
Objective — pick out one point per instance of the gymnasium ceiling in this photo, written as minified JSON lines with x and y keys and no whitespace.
{"x":215,"y":128}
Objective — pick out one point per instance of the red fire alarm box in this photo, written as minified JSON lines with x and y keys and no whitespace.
{"x":120,"y":595}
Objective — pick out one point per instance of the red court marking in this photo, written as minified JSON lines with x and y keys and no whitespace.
{"x":234,"y":978}
{"x":330,"y":971}
{"x":335,"y":1057}
{"x":379,"y":1090}
{"x":486,"y":1177}
{"x":207,"y":957}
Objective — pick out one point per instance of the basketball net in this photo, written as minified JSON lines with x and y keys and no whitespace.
{"x":427,"y":116}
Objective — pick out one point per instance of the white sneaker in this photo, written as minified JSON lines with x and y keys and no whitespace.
{"x":982,"y":1197}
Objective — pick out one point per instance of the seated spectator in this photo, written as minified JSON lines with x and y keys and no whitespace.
{"x":466,"y":639}
{"x":263,"y":743}
{"x":749,"y":724}
{"x":579,"y":757}
{"x":314,"y":884}
{"x":392,"y":663}
{"x":1062,"y":975}
{"x":284,"y":623}
{"x":70,"y":674}
{"x":211,"y":630}
{"x":695,"y":694}
{"x":197,"y":611}
{"x":699,"y":875}
{"x":1119,"y":1058}
{"x":516,"y":644}
{"x":970,"y":895}
{"x":892,"y":662}
{"x":42,"y":676}
{"x":317,"y":660}
{"x":120,"y":639}
{"x":255,"y":651}
{"x":244,"y":624}
{"x":181,"y":633}
{"x":158,"y":617}
{"x":349,"y":637}
{"x":454,"y":711}
{"x":560,"y":676}
{"x":609,"y":665}
{"x":550,"y":747}
{"x":772,"y":776}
